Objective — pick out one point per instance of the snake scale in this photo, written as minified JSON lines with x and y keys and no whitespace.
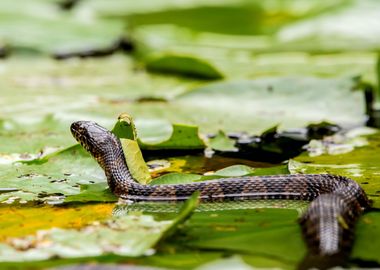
{"x":327,"y":225}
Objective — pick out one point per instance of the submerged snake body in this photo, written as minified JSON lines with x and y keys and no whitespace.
{"x":327,"y":225}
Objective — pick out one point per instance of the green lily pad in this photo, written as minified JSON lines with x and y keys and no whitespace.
{"x":344,"y":24}
{"x":126,"y":131}
{"x":51,"y":180}
{"x":231,"y":171}
{"x":253,"y":232}
{"x":131,"y":235}
{"x":183,"y":65}
{"x":98,"y":192}
{"x":360,"y":164}
{"x":264,"y":103}
{"x":228,"y":263}
{"x":367,"y":241}
{"x":182,"y":137}
{"x":221,"y":142}
{"x":235,"y":170}
{"x":26,"y":28}
{"x":176,"y":178}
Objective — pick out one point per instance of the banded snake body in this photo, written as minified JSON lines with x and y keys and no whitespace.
{"x":327,"y":225}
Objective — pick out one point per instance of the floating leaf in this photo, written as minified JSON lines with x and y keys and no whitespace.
{"x":126,"y":131}
{"x":231,"y":171}
{"x":253,"y":232}
{"x":131,"y":235}
{"x":234,"y":262}
{"x":93,"y":193}
{"x":43,"y":217}
{"x":291,"y":102}
{"x":26,"y":28}
{"x":176,"y":178}
{"x":235,"y":170}
{"x":125,"y":127}
{"x":221,"y":142}
{"x":183,"y":65}
{"x":361,"y":164}
{"x":182,"y":137}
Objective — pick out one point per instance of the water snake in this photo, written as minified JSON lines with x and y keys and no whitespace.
{"x":328,"y":224}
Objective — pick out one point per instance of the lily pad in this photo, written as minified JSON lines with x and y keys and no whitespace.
{"x":182,"y":137}
{"x":93,"y":193}
{"x":126,"y":131}
{"x":25,"y":28}
{"x":343,"y":25}
{"x":266,"y":102}
{"x":234,"y":262}
{"x":183,"y":65}
{"x":360,"y":164}
{"x":221,"y":142}
{"x":235,"y":170}
{"x":250,"y":232}
{"x":231,"y":171}
{"x":176,"y":178}
{"x":52,"y":180}
{"x":131,"y":235}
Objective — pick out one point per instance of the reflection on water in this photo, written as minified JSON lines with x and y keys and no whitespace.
{"x":123,"y":208}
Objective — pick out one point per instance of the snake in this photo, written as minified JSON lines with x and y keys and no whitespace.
{"x":336,"y":202}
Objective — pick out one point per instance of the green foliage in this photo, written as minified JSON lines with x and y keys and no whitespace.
{"x":235,"y":170}
{"x":221,"y":142}
{"x":183,"y":65}
{"x":131,"y":235}
{"x":126,"y":131}
{"x":182,"y":137}
{"x":93,"y":193}
{"x":25,"y":28}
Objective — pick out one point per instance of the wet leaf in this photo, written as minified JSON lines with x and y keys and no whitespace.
{"x":248,"y":231}
{"x":272,"y":101}
{"x":231,"y":171}
{"x":221,"y":142}
{"x":367,"y":242}
{"x":25,"y":28}
{"x":234,"y":262}
{"x":125,"y":127}
{"x":344,"y":24}
{"x":176,"y":178}
{"x":182,"y":137}
{"x":183,"y":65}
{"x":93,"y":193}
{"x":23,"y":220}
{"x":235,"y":170}
{"x":135,"y":161}
{"x":126,"y":131}
{"x":361,"y":164}
{"x":131,"y":235}
{"x":50,"y":181}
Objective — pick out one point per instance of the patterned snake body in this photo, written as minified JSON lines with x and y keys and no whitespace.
{"x":328,"y":224}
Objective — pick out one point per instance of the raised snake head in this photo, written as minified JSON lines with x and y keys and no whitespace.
{"x":94,"y":138}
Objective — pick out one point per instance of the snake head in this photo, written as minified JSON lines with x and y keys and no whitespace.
{"x":91,"y":136}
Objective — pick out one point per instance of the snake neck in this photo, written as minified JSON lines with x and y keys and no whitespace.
{"x":119,"y":177}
